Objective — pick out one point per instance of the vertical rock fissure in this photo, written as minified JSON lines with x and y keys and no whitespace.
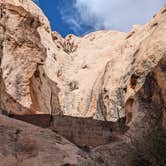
{"x":2,"y":38}
{"x":17,"y":133}
{"x":51,"y":111}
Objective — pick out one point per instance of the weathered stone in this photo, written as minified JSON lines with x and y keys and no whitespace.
{"x":91,"y":76}
{"x":22,"y":144}
{"x":82,"y":131}
{"x":106,"y":75}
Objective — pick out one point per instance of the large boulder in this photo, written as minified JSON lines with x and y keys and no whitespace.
{"x":23,"y":144}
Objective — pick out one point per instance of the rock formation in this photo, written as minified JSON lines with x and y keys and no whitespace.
{"x":104,"y":75}
{"x":96,"y":75}
{"x":22,"y":144}
{"x":82,"y":131}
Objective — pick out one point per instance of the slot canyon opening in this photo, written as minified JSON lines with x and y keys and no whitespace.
{"x":129,"y":109}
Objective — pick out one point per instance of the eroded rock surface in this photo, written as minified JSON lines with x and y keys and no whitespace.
{"x":22,"y":144}
{"x":105,"y":75}
{"x":96,"y":75}
{"x":82,"y":131}
{"x":25,"y":44}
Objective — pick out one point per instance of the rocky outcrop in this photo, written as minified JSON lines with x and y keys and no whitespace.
{"x":96,"y":75}
{"x":108,"y":85}
{"x":82,"y":131}
{"x":141,"y":138}
{"x":105,"y":75}
{"x":22,"y":144}
{"x":25,"y":43}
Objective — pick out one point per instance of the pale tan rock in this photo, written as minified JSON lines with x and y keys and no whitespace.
{"x":110,"y":67}
{"x":26,"y":42}
{"x":95,"y":75}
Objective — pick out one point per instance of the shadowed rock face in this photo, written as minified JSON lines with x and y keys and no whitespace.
{"x":81,"y":131}
{"x":22,"y":144}
{"x":141,"y":138}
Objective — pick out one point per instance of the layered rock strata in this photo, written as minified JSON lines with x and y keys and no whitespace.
{"x":22,"y":144}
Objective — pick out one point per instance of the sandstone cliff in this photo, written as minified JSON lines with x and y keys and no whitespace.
{"x":105,"y":75}
{"x":80,"y":74}
{"x":97,"y":75}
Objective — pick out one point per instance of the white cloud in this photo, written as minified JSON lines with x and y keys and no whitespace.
{"x":113,"y":14}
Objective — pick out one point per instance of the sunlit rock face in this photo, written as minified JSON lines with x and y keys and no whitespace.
{"x":97,"y":75}
{"x":27,"y":49}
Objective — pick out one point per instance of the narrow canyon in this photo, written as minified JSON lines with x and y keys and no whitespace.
{"x":95,"y":100}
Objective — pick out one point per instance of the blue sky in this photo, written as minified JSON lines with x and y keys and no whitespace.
{"x":82,"y":16}
{"x":57,"y":12}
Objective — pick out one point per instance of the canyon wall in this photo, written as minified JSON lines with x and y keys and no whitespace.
{"x":84,"y":132}
{"x":105,"y":75}
{"x":22,"y":144}
{"x":97,"y":75}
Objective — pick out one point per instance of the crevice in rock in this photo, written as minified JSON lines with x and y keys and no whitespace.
{"x":73,"y":85}
{"x":52,"y":111}
{"x":16,"y":138}
{"x":130,"y":34}
{"x":133,"y":81}
{"x":129,"y":110}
